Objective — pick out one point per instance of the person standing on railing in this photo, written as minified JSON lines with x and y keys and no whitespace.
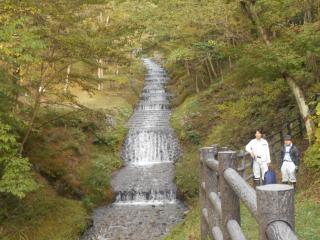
{"x":259,"y":150}
{"x":289,"y":161}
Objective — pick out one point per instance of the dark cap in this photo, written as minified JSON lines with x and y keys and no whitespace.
{"x":287,"y":137}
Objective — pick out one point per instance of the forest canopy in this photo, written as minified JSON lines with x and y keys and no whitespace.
{"x":233,"y":64}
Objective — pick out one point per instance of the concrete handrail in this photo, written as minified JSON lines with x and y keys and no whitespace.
{"x":222,"y":188}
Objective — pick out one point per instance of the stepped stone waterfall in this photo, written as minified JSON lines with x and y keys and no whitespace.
{"x":146,"y":207}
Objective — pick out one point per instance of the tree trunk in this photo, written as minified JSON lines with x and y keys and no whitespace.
{"x":197,"y":86}
{"x":100,"y":75}
{"x":31,"y":123}
{"x":16,"y":92}
{"x":302,"y":105}
{"x":107,"y":21}
{"x":308,"y":16}
{"x":221,"y":72}
{"x":212,"y":68}
{"x":247,"y":6}
{"x":208,"y":70}
{"x":296,"y":91}
{"x":204,"y":82}
{"x":100,"y":17}
{"x":230,"y":63}
{"x":117,"y":70}
{"x":187,"y":67}
{"x":66,"y":85}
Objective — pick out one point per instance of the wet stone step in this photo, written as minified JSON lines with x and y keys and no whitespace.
{"x":166,"y":101}
{"x":156,"y":75}
{"x":145,"y":121}
{"x":154,"y":86}
{"x":134,"y":222}
{"x":150,"y":114}
{"x":145,"y":178}
{"x":146,"y":124}
{"x":145,"y":207}
{"x":151,"y":106}
{"x":154,"y":91}
{"x":153,"y":119}
{"x":154,"y":98}
{"x":167,"y":195}
{"x":152,"y":128}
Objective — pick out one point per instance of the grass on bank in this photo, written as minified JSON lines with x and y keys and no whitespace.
{"x":307,"y":223}
{"x":74,"y":157}
{"x":76,"y":175}
{"x":216,"y":116}
{"x":44,"y":215}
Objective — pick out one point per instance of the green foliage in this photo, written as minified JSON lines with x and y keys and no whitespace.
{"x":249,"y":225}
{"x":6,"y":91}
{"x":72,"y":160}
{"x":42,"y":215}
{"x":268,"y":62}
{"x":189,"y":228}
{"x":43,"y":43}
{"x":112,"y":139}
{"x":180,"y":54}
{"x":226,"y":116}
{"x":307,"y":221}
{"x":208,"y":45}
{"x":182,"y":116}
{"x":99,"y":178}
{"x":258,"y":105}
{"x":312,"y":155}
{"x":274,"y":14}
{"x":16,"y":178}
{"x":15,"y":171}
{"x":187,"y":176}
{"x":74,"y":141}
{"x":193,"y":137}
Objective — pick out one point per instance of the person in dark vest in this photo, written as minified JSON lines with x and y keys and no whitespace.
{"x":289,"y":161}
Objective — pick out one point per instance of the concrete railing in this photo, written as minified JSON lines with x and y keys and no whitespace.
{"x":221,"y":190}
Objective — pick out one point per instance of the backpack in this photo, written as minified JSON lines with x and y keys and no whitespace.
{"x":270,"y":177}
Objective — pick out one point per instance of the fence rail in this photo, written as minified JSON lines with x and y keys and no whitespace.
{"x":221,"y":190}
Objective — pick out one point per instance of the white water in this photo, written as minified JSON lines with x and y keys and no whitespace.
{"x":145,"y":207}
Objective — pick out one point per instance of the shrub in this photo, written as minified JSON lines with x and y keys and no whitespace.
{"x":99,"y":177}
{"x":312,"y":155}
{"x":112,"y":139}
{"x":15,"y":171}
{"x":193,"y":137}
{"x":187,"y":175}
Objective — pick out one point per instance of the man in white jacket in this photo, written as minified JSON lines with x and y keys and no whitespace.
{"x":259,"y":150}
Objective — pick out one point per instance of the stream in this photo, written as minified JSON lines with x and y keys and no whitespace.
{"x":146,"y":207}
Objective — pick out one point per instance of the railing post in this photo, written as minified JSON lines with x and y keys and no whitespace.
{"x":211,"y":186}
{"x":229,"y":200}
{"x":275,"y":202}
{"x":206,"y":185}
{"x":202,"y":196}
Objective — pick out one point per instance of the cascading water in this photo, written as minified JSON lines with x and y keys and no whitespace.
{"x":146,"y":206}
